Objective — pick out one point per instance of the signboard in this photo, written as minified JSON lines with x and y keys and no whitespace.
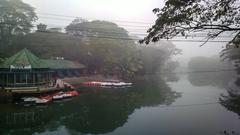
{"x":20,"y":67}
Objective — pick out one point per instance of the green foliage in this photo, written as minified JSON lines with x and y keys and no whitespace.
{"x":102,"y":29}
{"x":107,"y":56}
{"x":155,"y":56}
{"x":182,"y":16}
{"x":98,"y":112}
{"x":16,"y":18}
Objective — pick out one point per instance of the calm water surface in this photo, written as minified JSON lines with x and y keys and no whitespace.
{"x":187,"y":104}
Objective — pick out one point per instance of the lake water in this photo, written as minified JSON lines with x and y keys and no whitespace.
{"x":185,"y":104}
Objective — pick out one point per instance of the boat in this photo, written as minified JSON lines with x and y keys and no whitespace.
{"x":72,"y":92}
{"x":44,"y":99}
{"x":57,"y":96}
{"x":65,"y":94}
{"x":37,"y":100}
{"x":106,"y":83}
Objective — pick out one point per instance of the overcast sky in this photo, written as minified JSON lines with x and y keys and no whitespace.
{"x":118,"y":11}
{"x":126,"y":10}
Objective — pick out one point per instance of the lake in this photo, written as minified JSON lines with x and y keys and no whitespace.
{"x":187,"y":104}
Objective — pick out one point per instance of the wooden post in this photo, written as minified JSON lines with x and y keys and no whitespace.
{"x":26,"y":78}
{"x":34,"y":79}
{"x":7,"y":80}
{"x":14,"y":76}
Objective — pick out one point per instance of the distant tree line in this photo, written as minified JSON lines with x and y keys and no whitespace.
{"x":87,"y":42}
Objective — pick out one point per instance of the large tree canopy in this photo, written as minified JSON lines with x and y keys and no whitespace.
{"x":182,"y":16}
{"x":16,"y":18}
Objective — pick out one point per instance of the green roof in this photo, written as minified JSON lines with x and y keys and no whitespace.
{"x":26,"y":59}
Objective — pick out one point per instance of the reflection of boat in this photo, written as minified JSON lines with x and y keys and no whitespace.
{"x":29,"y":99}
{"x":42,"y":101}
{"x":106,"y":83}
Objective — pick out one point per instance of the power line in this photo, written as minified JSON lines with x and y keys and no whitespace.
{"x":122,"y":25}
{"x":59,"y":15}
{"x":137,"y":39}
{"x":128,"y":38}
{"x":101,"y":30}
{"x":142,"y":34}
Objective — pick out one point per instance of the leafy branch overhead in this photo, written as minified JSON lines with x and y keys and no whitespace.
{"x":185,"y":16}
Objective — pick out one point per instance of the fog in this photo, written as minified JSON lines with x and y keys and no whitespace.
{"x":121,"y":12}
{"x":74,"y":67}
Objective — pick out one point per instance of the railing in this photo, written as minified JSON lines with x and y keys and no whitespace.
{"x":26,"y":84}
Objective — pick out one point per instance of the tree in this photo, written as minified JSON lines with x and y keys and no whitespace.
{"x":182,"y":16}
{"x":155,"y":56}
{"x":16,"y":18}
{"x":42,"y":27}
{"x":108,"y":54}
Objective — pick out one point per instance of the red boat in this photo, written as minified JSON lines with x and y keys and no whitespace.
{"x":72,"y":92}
{"x":65,"y":94}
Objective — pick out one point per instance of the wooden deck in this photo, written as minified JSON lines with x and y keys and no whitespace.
{"x":31,"y":89}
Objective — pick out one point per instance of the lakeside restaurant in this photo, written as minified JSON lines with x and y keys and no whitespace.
{"x":24,"y":71}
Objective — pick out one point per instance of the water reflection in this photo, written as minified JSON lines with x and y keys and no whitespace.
{"x":227,"y":80}
{"x":96,"y":112}
{"x":232,"y":100}
{"x":218,"y":79}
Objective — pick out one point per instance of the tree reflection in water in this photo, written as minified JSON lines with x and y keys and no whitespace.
{"x":96,"y":112}
{"x":231,"y":100}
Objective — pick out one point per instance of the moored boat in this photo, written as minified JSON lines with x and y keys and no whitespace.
{"x":57,"y":96}
{"x":44,"y":99}
{"x":106,"y":84}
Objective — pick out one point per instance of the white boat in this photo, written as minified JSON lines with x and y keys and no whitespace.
{"x":58,"y":97}
{"x":116,"y":84}
{"x":66,"y":95}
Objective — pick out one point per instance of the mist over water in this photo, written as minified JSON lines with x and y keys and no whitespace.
{"x":180,"y":86}
{"x":152,"y":105}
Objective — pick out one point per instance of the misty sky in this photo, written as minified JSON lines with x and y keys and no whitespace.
{"x":118,"y":11}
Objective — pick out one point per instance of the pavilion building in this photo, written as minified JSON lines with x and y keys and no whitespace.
{"x":24,"y":71}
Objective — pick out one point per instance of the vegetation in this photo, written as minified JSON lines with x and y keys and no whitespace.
{"x":183,"y":16}
{"x":16,"y":18}
{"x":96,"y":44}
{"x":98,"y":112}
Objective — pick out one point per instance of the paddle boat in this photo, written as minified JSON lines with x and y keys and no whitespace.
{"x":106,"y":84}
{"x":50,"y":97}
